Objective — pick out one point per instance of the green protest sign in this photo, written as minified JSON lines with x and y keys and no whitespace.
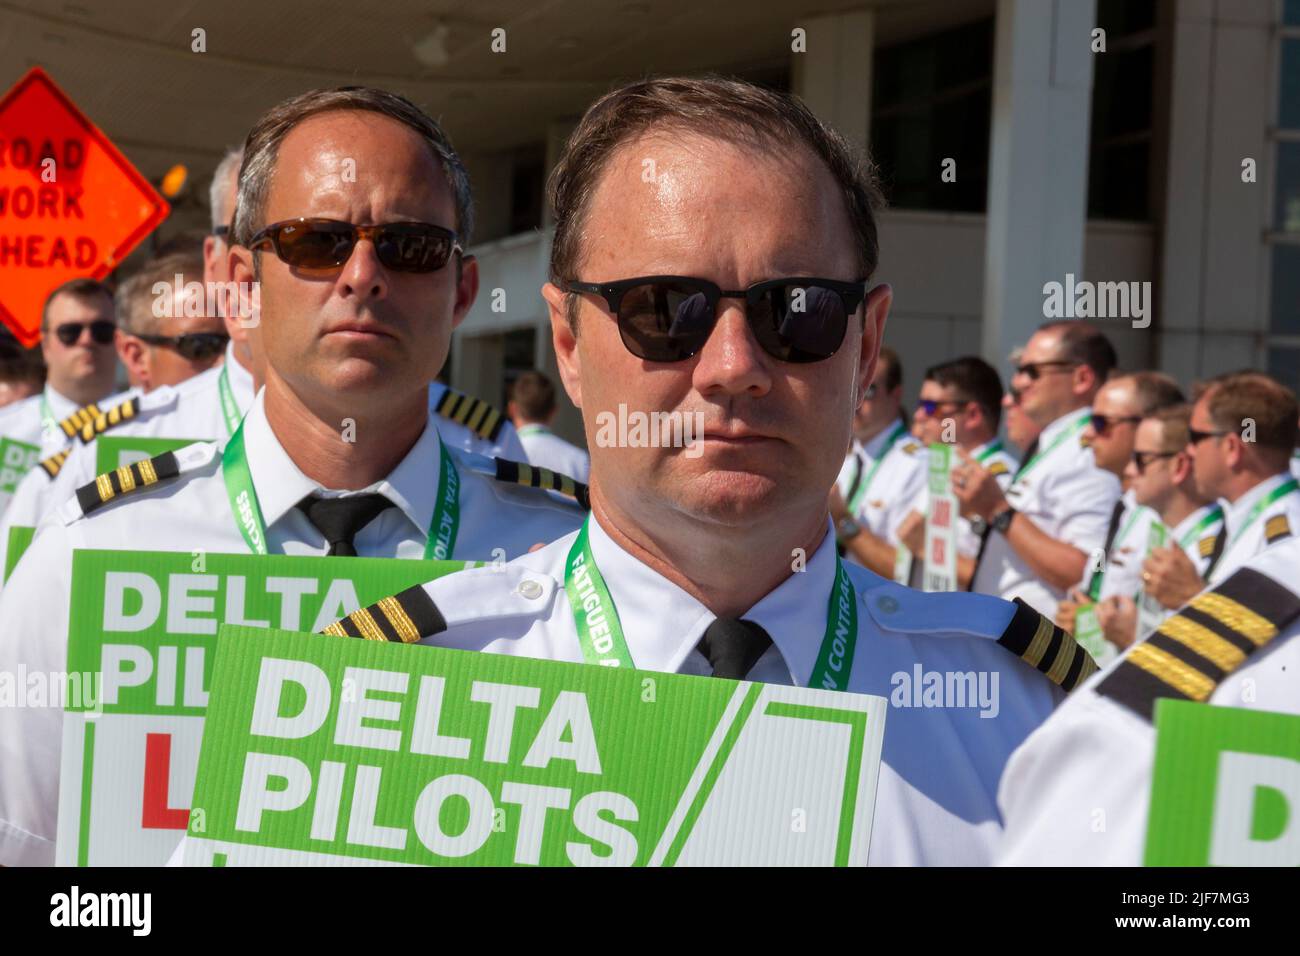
{"x":20,"y":536}
{"x":1225,"y":790}
{"x":114,"y":451}
{"x":16,"y":459}
{"x":142,"y":629}
{"x":941,"y":522}
{"x":1089,"y":634}
{"x":328,"y":751}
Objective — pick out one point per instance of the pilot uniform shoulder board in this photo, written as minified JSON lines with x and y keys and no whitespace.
{"x":1276,"y":528}
{"x":911,"y":447}
{"x":534,"y":476}
{"x":1194,"y":651}
{"x":403,"y":618}
{"x":1205,"y":547}
{"x":998,"y":468}
{"x":83,"y":416}
{"x":54,"y":463}
{"x":126,"y":479}
{"x":474,"y":413}
{"x":103,"y":421}
{"x":1044,"y":646}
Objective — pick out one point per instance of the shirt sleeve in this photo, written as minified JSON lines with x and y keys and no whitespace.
{"x":1084,"y":498}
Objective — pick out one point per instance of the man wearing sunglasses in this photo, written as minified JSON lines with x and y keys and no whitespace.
{"x":362,"y":280}
{"x":77,"y":334}
{"x":1041,"y":532}
{"x":722,"y":561}
{"x":1117,"y":409}
{"x":960,"y":404}
{"x":1240,"y":437}
{"x":883,"y":475}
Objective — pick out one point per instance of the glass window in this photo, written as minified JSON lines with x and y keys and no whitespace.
{"x":1285,"y":318}
{"x":1119,"y":162}
{"x":1286,"y":204}
{"x":1291,"y":13}
{"x":1289,"y":94}
{"x":1284,"y":365}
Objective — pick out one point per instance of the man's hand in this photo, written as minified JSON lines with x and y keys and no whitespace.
{"x":1066,"y":610}
{"x":911,"y":532}
{"x":1170,"y":577}
{"x":978,"y":492}
{"x":1118,"y":619}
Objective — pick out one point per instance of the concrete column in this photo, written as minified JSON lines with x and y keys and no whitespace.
{"x":1038,"y":163}
{"x":833,"y":75}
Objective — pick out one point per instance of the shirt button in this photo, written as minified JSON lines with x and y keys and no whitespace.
{"x":887,"y":604}
{"x":530,"y":589}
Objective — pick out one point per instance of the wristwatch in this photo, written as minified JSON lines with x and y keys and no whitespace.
{"x":1002,"y":520}
{"x":846,"y":528}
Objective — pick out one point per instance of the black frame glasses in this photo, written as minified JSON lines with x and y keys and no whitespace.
{"x":1143,"y":458}
{"x":1034,"y":370}
{"x":325,"y":245}
{"x":668,"y":318}
{"x":101,"y":332}
{"x":1101,"y":424}
{"x":1195,"y":436}
{"x":192,"y":346}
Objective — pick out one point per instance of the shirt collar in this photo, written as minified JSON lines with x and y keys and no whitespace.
{"x":662,"y":623}
{"x":280,"y":484}
{"x":1061,"y":424}
{"x":1192,"y":520}
{"x":241,"y":379}
{"x":1237,"y":510}
{"x":873,"y":447}
{"x":60,"y":405}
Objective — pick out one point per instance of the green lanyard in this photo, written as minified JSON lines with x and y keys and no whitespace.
{"x":1214,"y":514}
{"x":532,"y":430}
{"x":439,"y":545}
{"x":899,"y":430}
{"x":1074,"y":429}
{"x":48,"y":421}
{"x":1285,"y":488}
{"x":1094,"y":586}
{"x":601,"y":634}
{"x":994,"y":447}
{"x":229,"y":407}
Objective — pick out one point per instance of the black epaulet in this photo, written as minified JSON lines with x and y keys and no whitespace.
{"x":54,"y":463}
{"x":1194,"y":651}
{"x":1044,"y":646}
{"x":998,"y":468}
{"x":124,"y":480}
{"x":474,"y":413}
{"x":534,"y":476}
{"x":403,"y":618}
{"x":1276,"y":528}
{"x":78,"y":420}
{"x":103,"y":421}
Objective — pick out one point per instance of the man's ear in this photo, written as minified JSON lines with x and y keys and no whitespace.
{"x":564,"y":339}
{"x":466,"y":289}
{"x":131,"y":351}
{"x":1182,"y":468}
{"x":876,"y":312}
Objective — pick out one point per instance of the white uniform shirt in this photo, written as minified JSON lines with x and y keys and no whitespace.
{"x":192,"y":512}
{"x":889,"y":495}
{"x":192,"y":409}
{"x":456,"y":433}
{"x":1079,"y":790}
{"x":940,"y":765}
{"x":1295,"y":463}
{"x":547,"y":449}
{"x":1277,"y":522}
{"x":1067,"y":496}
{"x":1197,"y":542}
{"x":1123,"y":574}
{"x":34,"y":420}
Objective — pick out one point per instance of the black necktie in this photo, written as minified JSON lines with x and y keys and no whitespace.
{"x":984,"y":537}
{"x":339,"y":519}
{"x":1111,"y":531}
{"x":733,"y":646}
{"x":1030,"y":452}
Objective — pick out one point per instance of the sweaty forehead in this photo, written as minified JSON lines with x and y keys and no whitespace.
{"x":357,"y":159}
{"x":677,"y":202}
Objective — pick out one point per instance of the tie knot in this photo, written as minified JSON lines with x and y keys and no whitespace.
{"x":339,"y":519}
{"x":733,"y":646}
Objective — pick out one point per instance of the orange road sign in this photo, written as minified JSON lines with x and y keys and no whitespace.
{"x":70,"y":203}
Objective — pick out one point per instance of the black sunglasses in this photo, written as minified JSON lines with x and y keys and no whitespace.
{"x":930,"y":405}
{"x":101,"y":332}
{"x":669,"y":318}
{"x":1034,"y":370}
{"x":324,"y":245}
{"x":1101,"y":424}
{"x":1195,"y":436}
{"x":1143,"y":458}
{"x":193,"y":346}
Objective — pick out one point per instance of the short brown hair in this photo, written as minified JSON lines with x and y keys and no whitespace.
{"x":23,"y":369}
{"x":77,"y":288}
{"x":263,"y":147}
{"x":975,"y":380}
{"x":1085,"y":344}
{"x":1233,"y":398}
{"x":136,"y":298}
{"x":718,"y":107}
{"x":1175,"y":426}
{"x":1154,"y":391}
{"x":534,"y":394}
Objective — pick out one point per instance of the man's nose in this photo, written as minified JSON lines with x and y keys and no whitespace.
{"x":363,"y":275}
{"x":732,"y":361}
